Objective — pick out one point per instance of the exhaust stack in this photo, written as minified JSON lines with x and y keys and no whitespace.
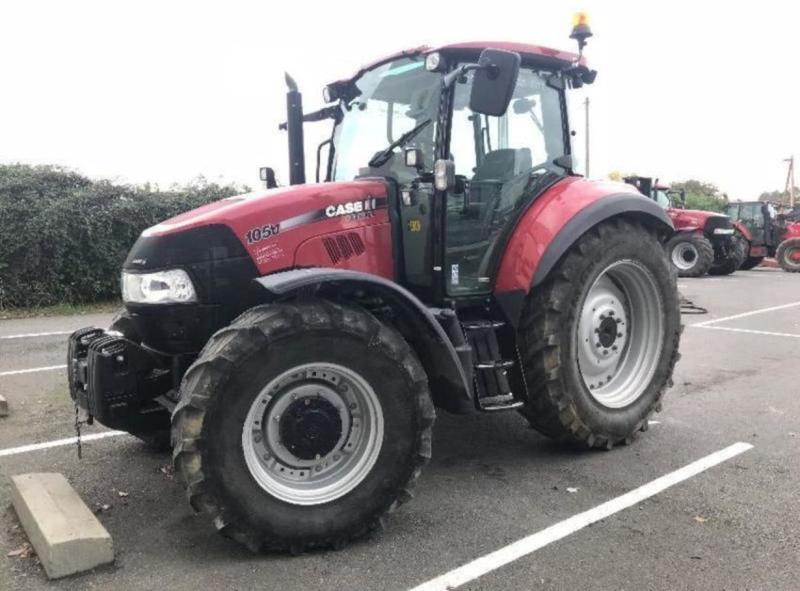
{"x":294,"y":127}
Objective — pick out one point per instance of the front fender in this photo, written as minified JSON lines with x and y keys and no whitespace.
{"x":449,"y":383}
{"x":555,"y":222}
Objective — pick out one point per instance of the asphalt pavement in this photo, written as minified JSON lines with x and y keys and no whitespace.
{"x":491,"y":483}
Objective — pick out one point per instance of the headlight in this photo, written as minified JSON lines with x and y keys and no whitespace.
{"x":163,"y":287}
{"x":723,"y":231}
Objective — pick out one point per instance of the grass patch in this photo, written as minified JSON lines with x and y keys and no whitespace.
{"x":61,"y":310}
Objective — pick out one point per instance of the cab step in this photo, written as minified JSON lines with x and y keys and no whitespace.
{"x":491,"y":371}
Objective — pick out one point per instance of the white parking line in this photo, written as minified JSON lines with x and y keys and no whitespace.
{"x":489,"y":562}
{"x":34,"y":334}
{"x":12,"y":451}
{"x":749,"y":331}
{"x":17,"y":372}
{"x":746,"y":314}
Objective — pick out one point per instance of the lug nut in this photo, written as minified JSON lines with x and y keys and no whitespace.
{"x":619,"y":321}
{"x":597,"y":331}
{"x":619,"y":334}
{"x":605,"y":351}
{"x":613,"y":347}
{"x":611,"y":312}
{"x":597,"y":344}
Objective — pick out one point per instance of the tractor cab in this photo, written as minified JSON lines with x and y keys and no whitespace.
{"x":465,"y":137}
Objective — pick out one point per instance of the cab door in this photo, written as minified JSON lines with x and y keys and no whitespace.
{"x":496,"y":160}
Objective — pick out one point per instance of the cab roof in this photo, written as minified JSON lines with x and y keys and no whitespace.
{"x":544,"y":56}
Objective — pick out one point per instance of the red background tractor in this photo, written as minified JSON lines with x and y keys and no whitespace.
{"x":767,"y":234}
{"x":704,"y":241}
{"x":297,"y":340}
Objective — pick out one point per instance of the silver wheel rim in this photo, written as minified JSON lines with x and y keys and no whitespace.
{"x":620,"y":334}
{"x":684,"y":256}
{"x":338,"y":407}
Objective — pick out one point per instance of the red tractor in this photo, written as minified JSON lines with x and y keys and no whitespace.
{"x":704,"y":241}
{"x":297,"y":340}
{"x":767,"y":233}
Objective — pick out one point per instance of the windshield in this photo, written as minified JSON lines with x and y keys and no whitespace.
{"x":392,"y":99}
{"x":662,"y":198}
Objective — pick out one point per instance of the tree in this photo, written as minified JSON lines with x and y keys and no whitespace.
{"x":702,"y":195}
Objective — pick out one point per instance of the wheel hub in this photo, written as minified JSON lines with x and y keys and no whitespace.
{"x":684,"y":256}
{"x":620,"y":333}
{"x":313,"y":433}
{"x":310,"y":427}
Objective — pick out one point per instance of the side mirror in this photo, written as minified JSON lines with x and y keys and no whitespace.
{"x":494,"y":82}
{"x":266,"y":174}
{"x":414,"y":158}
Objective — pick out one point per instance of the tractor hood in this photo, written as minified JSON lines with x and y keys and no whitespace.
{"x":266,"y":225}
{"x":694,"y":218}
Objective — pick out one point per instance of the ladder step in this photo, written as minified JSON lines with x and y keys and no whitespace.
{"x":497,"y":403}
{"x":489,"y":365}
{"x":482,"y":324}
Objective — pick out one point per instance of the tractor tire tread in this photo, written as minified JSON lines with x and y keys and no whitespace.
{"x":225,"y":352}
{"x":550,"y":410}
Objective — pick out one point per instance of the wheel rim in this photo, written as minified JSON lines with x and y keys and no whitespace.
{"x":792,"y":255}
{"x":313,"y":433}
{"x":684,"y":256}
{"x":620,"y":334}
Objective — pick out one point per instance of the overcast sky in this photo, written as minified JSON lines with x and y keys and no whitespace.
{"x":164,"y":91}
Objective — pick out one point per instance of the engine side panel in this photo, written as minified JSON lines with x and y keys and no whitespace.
{"x":360,"y":249}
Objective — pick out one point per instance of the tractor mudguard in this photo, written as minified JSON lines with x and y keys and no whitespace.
{"x":743,"y":230}
{"x":449,"y":383}
{"x":554,"y":223}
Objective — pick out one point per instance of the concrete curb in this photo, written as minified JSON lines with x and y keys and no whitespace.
{"x":66,"y":535}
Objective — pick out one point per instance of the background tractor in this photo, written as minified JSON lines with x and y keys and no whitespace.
{"x":704,"y":241}
{"x":297,"y":340}
{"x":768,"y":233}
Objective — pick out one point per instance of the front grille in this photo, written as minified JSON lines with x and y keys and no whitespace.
{"x":343,"y":246}
{"x":717,"y":221}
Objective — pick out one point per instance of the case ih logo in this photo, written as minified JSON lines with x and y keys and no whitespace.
{"x":356,"y":209}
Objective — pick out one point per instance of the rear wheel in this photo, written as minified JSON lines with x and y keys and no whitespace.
{"x":299,"y":426}
{"x":599,"y":338}
{"x":788,"y":255}
{"x":691,"y":254}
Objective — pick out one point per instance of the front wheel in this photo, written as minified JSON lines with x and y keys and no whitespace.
{"x":788,"y":255}
{"x":599,"y":339}
{"x":299,"y":426}
{"x":737,"y":253}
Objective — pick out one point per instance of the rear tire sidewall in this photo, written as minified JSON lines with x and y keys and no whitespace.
{"x":783,"y":253}
{"x":237,"y":488}
{"x":620,"y":422}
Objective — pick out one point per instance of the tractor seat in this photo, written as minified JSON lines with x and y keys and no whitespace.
{"x":503,"y":165}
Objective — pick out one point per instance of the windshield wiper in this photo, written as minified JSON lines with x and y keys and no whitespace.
{"x":383,"y":156}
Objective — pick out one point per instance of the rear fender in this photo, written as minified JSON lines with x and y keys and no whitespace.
{"x":555,"y":222}
{"x":743,"y":230}
{"x":449,"y":384}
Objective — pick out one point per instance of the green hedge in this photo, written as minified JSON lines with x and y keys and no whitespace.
{"x":63,"y":237}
